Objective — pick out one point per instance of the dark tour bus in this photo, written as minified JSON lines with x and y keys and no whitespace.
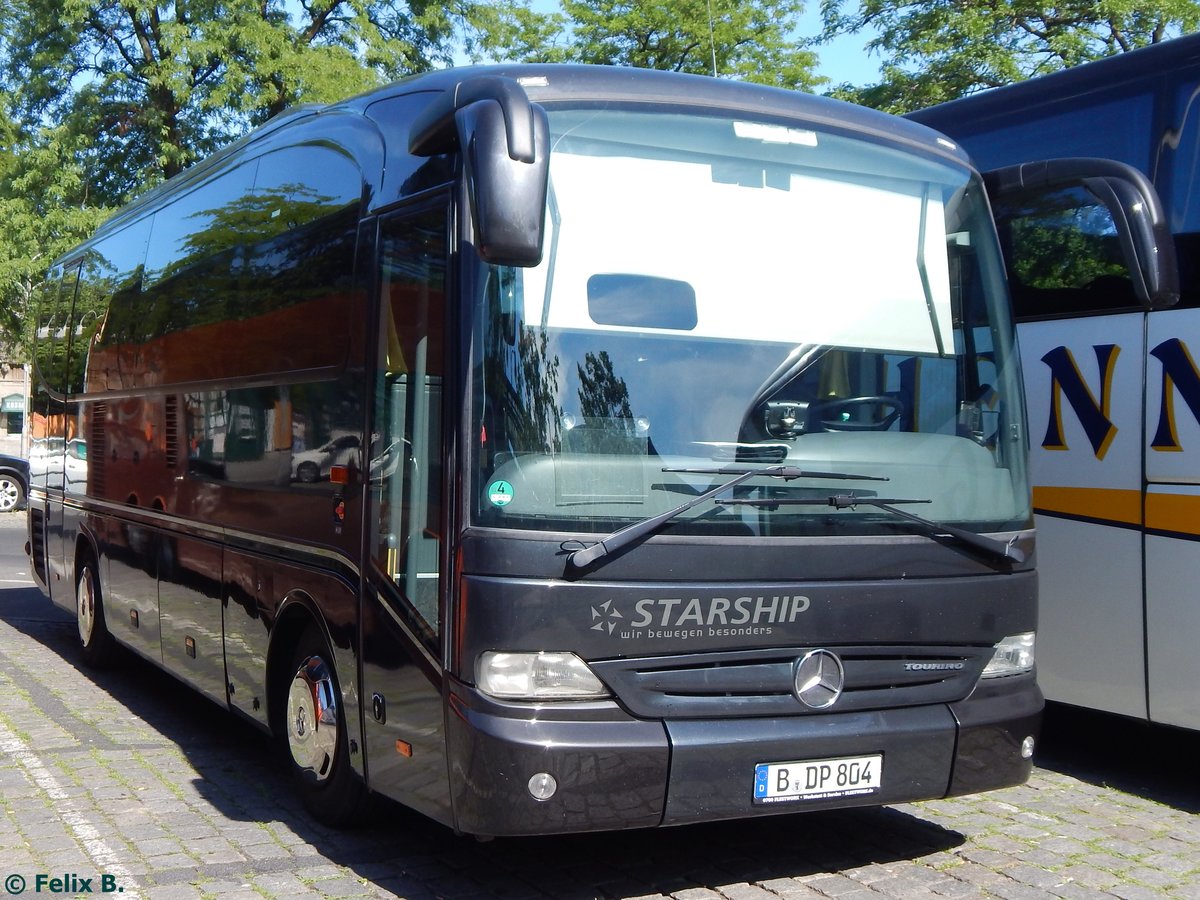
{"x":510,"y":443}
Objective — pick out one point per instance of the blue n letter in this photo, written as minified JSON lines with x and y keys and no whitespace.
{"x":1179,"y":373}
{"x":1065,"y":381}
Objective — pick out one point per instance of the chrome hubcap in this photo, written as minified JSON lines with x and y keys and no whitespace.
{"x":85,"y":604}
{"x":312,"y":720}
{"x":8,"y":495}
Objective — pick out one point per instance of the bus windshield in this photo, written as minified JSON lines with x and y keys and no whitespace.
{"x":721,"y":293}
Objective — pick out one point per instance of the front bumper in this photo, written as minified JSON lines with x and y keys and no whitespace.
{"x":613,"y":771}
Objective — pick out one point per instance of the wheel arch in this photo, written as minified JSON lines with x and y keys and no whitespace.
{"x":339,"y":795}
{"x":99,"y":647}
{"x":296,"y":613}
{"x":86,"y":546}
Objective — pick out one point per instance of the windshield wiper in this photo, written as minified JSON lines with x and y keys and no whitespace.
{"x":582,"y":556}
{"x":991,"y":546}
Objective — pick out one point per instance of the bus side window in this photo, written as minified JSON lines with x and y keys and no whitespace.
{"x":405,"y":457}
{"x":55,"y":297}
{"x":111,"y":291}
{"x":305,"y":210}
{"x":191,"y":279}
{"x":1182,"y":168}
{"x":48,"y":414}
{"x":1063,"y":255}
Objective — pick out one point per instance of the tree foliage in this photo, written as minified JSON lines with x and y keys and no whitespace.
{"x":749,"y":40}
{"x":100,"y":99}
{"x":935,"y":50}
{"x":43,"y":213}
{"x":160,"y":83}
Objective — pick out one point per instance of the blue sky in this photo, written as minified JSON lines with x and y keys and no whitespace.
{"x":843,"y":60}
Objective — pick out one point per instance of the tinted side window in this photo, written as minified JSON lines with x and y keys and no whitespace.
{"x":52,"y":359}
{"x":112,"y":291}
{"x":206,"y":223}
{"x":300,"y":271}
{"x":1182,"y":168}
{"x":1063,"y":255}
{"x":1184,"y":156}
{"x":406,"y":174}
{"x":53,"y":304}
{"x":273,"y":436}
{"x":193,"y":277}
{"x":249,"y":274}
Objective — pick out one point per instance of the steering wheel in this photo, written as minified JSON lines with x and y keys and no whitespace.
{"x":891,"y":407}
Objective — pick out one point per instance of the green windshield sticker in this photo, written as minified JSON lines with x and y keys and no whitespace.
{"x":500,"y":493}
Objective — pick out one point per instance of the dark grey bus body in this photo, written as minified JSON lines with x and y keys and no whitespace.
{"x":313,"y":473}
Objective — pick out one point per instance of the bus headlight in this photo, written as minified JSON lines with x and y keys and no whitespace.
{"x":1013,"y":656}
{"x":543,"y":675}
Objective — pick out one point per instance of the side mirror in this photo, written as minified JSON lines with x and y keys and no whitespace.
{"x":1142,"y":231}
{"x":505,"y":146}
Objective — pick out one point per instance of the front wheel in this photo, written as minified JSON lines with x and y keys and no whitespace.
{"x":315,"y":734}
{"x":95,"y":640}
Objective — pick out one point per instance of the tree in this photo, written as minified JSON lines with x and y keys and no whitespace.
{"x":602,"y":393}
{"x":161,"y":83}
{"x":935,"y":50}
{"x":43,"y":213}
{"x":744,"y":39}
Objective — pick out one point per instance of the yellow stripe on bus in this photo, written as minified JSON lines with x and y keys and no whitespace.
{"x":1105,"y":504}
{"x":1179,"y":513}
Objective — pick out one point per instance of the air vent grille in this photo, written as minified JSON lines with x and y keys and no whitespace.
{"x":760,"y":682}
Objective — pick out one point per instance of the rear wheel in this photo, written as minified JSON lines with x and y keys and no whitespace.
{"x":95,"y":641}
{"x":315,"y":734}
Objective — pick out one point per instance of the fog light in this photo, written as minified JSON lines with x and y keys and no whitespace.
{"x":1027,"y":748}
{"x":542,"y":786}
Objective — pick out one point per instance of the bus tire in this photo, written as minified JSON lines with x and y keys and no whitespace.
{"x":315,"y":734}
{"x":95,"y":641}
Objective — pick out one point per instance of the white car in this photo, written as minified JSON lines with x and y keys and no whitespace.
{"x":309,"y":466}
{"x":14,"y":482}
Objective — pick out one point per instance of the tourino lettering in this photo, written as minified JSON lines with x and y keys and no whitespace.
{"x":676,"y":612}
{"x":934,"y":667}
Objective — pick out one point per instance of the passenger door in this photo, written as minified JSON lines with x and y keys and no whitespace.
{"x":404,"y":612}
{"x":1087,"y":257}
{"x":1172,"y":560}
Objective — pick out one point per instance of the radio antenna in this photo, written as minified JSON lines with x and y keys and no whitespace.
{"x":712,"y":40}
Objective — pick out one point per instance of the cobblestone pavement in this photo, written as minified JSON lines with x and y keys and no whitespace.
{"x":128,"y":782}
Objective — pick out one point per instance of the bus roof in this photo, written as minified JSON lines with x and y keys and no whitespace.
{"x":548,"y":84}
{"x":1104,"y":74}
{"x":566,"y":83}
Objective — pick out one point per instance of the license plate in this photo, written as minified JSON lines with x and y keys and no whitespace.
{"x":816,"y":779}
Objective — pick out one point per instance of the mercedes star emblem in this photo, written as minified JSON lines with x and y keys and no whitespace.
{"x":819,"y":679}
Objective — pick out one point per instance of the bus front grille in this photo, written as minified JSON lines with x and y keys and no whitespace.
{"x":760,"y":682}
